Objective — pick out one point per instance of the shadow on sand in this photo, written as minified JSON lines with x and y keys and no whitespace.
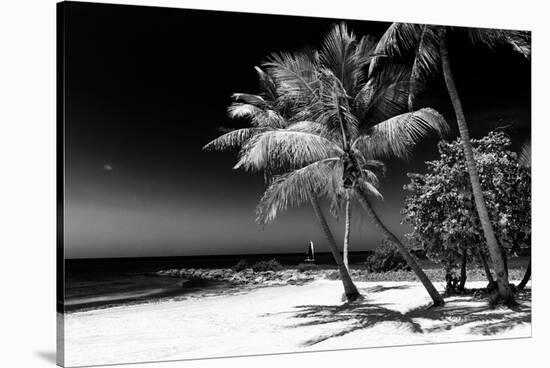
{"x":381,"y":289}
{"x":458,"y":311}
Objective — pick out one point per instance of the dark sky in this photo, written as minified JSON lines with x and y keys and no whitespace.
{"x":147,"y":87}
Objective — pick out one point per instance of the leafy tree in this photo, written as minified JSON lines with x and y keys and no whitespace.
{"x":426,"y":48}
{"x":440,"y":206}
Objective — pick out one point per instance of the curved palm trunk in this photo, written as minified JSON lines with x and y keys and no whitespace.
{"x":347,"y":230}
{"x":349,"y":287}
{"x":486,"y":268}
{"x":504,"y":258}
{"x":504,"y":290}
{"x":526,"y":277}
{"x":434,"y":294}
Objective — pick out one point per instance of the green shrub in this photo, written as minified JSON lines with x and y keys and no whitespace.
{"x":386,"y":258}
{"x":271,"y":265}
{"x":240,"y":266}
{"x":302,"y":267}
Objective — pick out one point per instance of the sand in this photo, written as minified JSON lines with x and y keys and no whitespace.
{"x":282,"y":319}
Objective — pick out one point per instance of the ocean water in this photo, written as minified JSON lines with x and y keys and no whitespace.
{"x":100,"y":283}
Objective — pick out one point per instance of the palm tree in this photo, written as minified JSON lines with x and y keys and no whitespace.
{"x":280,"y":104}
{"x":337,"y":123}
{"x":427,"y":47}
{"x":270,"y":112}
{"x":359,"y":117}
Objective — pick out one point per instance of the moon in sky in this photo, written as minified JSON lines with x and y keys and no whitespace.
{"x":107,"y":167}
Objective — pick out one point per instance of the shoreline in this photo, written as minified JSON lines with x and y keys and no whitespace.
{"x":192,"y":283}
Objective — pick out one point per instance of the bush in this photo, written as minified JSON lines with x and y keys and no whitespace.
{"x":240,"y":266}
{"x":386,"y":258}
{"x":333,"y":275}
{"x":302,"y":267}
{"x":271,"y":265}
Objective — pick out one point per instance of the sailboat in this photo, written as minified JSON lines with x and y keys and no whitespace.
{"x":310,"y":253}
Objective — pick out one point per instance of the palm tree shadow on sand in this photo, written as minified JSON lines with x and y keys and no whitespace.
{"x":359,"y":315}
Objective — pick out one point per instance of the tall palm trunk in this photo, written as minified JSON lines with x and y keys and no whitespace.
{"x":345,"y":144}
{"x":347,"y":230}
{"x":434,"y":294}
{"x":526,"y":277}
{"x":349,"y":287}
{"x":504,"y":290}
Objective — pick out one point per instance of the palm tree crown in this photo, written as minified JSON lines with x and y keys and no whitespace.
{"x":338,"y":123}
{"x":418,"y":45}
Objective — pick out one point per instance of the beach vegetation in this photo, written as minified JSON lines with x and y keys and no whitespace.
{"x":240,"y":266}
{"x":386,"y":258}
{"x":269,"y":265}
{"x":303,"y":267}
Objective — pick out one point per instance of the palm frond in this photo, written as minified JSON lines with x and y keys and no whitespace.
{"x":520,"y":41}
{"x":268,"y":87}
{"x":250,"y":99}
{"x":293,"y":73}
{"x":371,"y":170}
{"x":232,"y":139}
{"x":331,"y":109}
{"x":335,"y":204}
{"x":257,"y":116}
{"x":239,"y":110}
{"x":375,"y":166}
{"x":284,"y":149}
{"x":398,"y":135}
{"x":337,"y":54}
{"x":370,"y":177}
{"x":384,"y":95}
{"x":370,"y":189}
{"x":365,"y":50}
{"x":426,"y":62}
{"x":314,"y":127}
{"x":364,"y":53}
{"x":295,"y":188}
{"x":525,"y":155}
{"x":399,"y":40}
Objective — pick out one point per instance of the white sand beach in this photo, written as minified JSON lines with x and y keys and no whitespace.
{"x":283,"y":319}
